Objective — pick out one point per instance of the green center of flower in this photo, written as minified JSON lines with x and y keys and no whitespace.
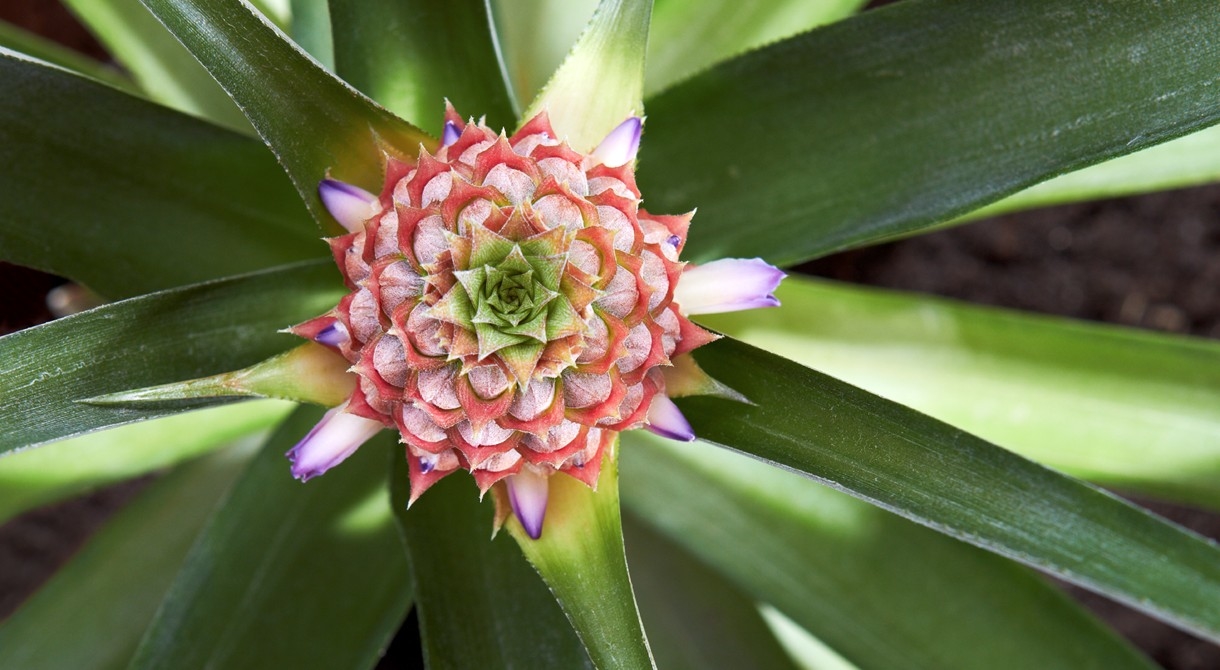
{"x":511,"y":298}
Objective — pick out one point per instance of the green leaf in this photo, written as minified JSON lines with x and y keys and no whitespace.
{"x":601,"y":82}
{"x":580,"y":556}
{"x":162,"y":68}
{"x":534,"y":37}
{"x":480,"y":604}
{"x":1186,"y":161}
{"x":687,"y":36}
{"x":694,"y":617}
{"x":36,"y":46}
{"x":309,"y":373}
{"x":316,"y":124}
{"x":412,"y":55}
{"x":939,"y":476}
{"x":177,"y":334}
{"x":879,"y":590}
{"x":278,"y":12}
{"x":311,"y":30}
{"x":869,"y":128}
{"x":808,"y":651}
{"x":289,"y":575}
{"x":157,"y":199}
{"x":56,"y":471}
{"x":92,"y":613}
{"x":1122,"y":407}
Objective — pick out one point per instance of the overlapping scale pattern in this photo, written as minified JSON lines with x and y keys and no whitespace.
{"x":511,"y":306}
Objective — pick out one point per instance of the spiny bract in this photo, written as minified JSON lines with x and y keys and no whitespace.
{"x":512,"y":307}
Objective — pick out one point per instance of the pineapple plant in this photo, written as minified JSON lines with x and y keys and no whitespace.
{"x":501,"y":312}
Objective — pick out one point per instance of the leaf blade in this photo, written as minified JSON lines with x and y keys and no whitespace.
{"x":312,"y":121}
{"x":115,"y":574}
{"x":857,"y":577}
{"x":903,"y":129}
{"x":493,"y":611}
{"x":601,"y":82}
{"x":212,"y":203}
{"x":40,"y":48}
{"x":580,"y":556}
{"x":411,"y":56}
{"x":937,"y":475}
{"x":56,"y":471}
{"x":1122,"y":407}
{"x":202,"y":329}
{"x":687,"y":37}
{"x":694,"y":617}
{"x":1187,"y":161}
{"x":312,"y":31}
{"x":535,"y":36}
{"x":248,"y":593}
{"x":163,"y":69}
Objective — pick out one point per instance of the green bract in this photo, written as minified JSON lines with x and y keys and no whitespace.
{"x":885,"y":537}
{"x":509,"y":300}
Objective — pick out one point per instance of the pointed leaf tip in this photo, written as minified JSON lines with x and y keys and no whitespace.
{"x":527,"y":493}
{"x":350,"y":205}
{"x":329,"y":443}
{"x":621,"y":145}
{"x":728,"y":285}
{"x":666,"y":420}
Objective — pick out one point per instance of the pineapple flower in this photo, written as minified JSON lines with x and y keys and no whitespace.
{"x":512,"y":308}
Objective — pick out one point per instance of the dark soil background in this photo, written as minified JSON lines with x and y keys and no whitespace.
{"x":1151,"y":262}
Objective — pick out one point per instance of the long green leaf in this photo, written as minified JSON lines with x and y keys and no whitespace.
{"x":809,"y":652}
{"x":157,"y":199}
{"x":695,"y":618}
{"x":163,"y":69}
{"x":580,"y":555}
{"x":36,"y":46}
{"x":534,"y":37}
{"x":93,"y":611}
{"x":177,"y":334}
{"x":289,"y":575}
{"x":601,"y":82}
{"x":1186,"y":161}
{"x":687,"y":36}
{"x":480,"y":603}
{"x":412,"y":55}
{"x":939,"y":476}
{"x":1122,"y":407}
{"x":896,"y":120}
{"x":316,"y":124}
{"x":56,"y":471}
{"x":311,"y":30}
{"x":278,"y":12}
{"x":881,"y":591}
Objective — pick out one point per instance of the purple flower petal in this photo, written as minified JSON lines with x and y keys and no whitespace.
{"x":621,"y":145}
{"x":350,"y":205}
{"x":666,"y":420}
{"x":450,"y":134}
{"x":727,"y":285}
{"x":427,"y":462}
{"x":527,"y":493}
{"x":336,"y":437}
{"x":334,"y":335}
